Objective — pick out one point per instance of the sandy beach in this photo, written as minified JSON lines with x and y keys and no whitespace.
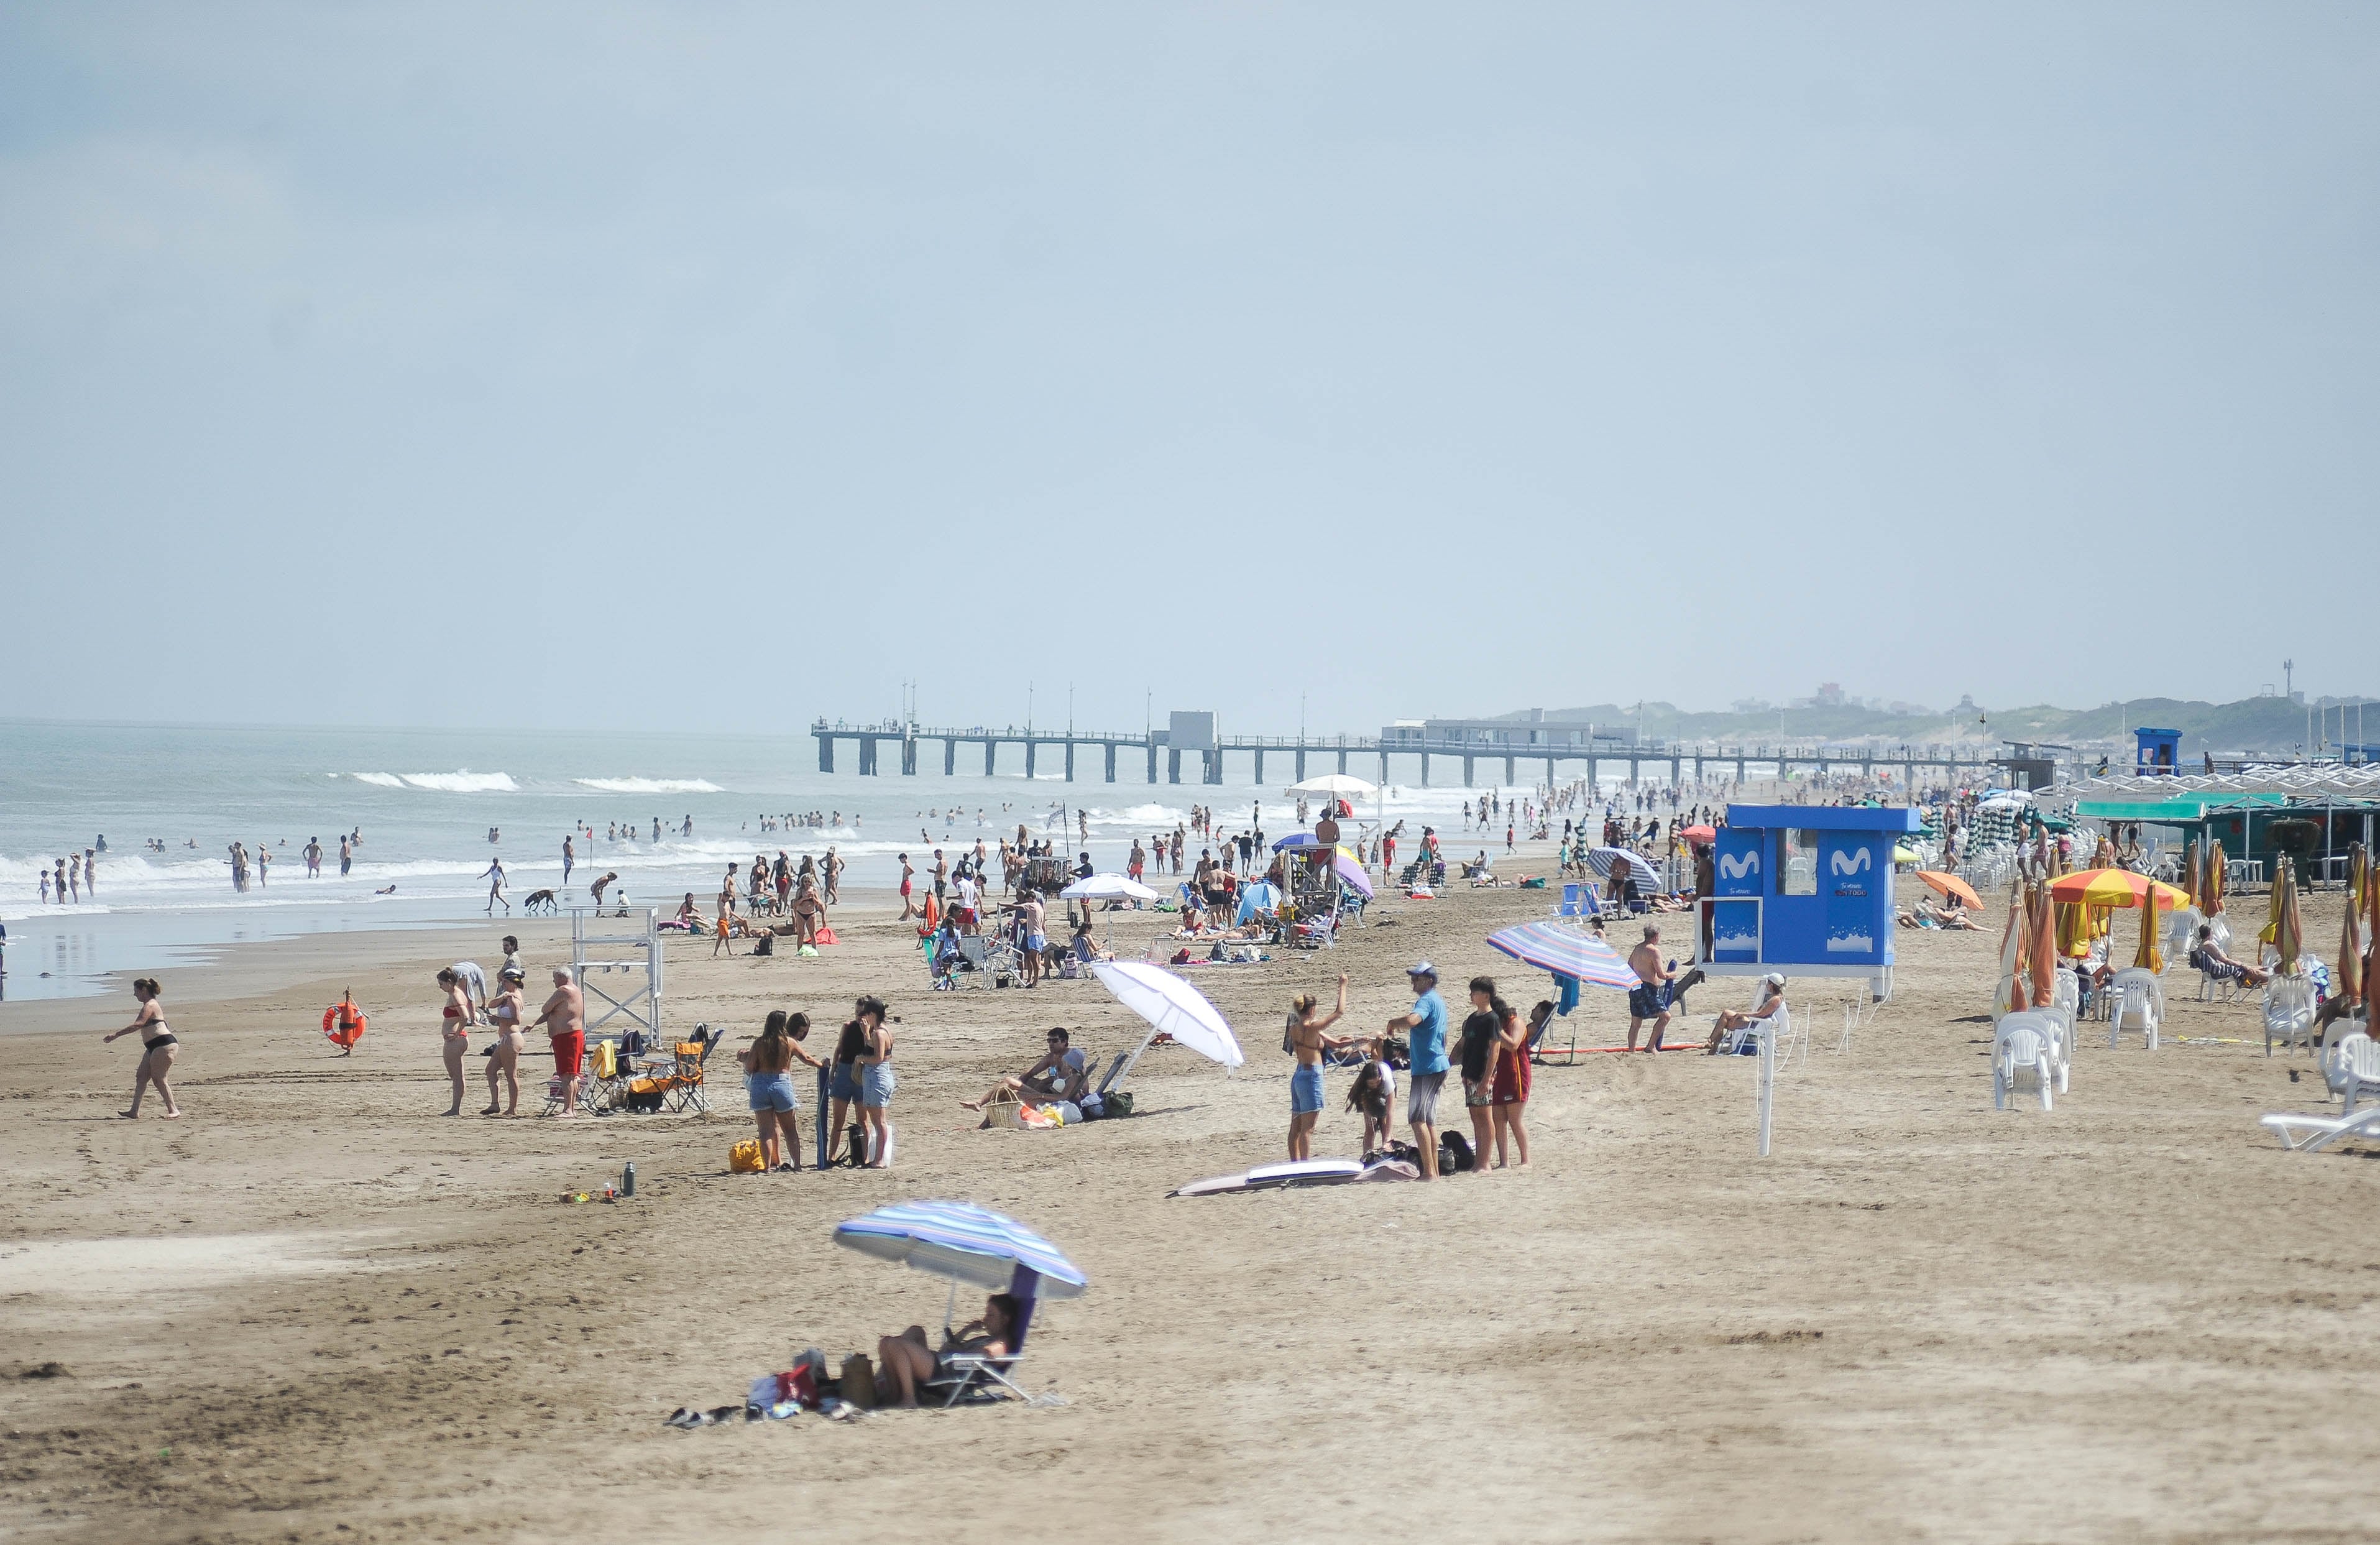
{"x":314,"y":1309}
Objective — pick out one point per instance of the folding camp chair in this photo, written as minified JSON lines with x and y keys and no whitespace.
{"x":684,"y":1089}
{"x":970,"y":1378}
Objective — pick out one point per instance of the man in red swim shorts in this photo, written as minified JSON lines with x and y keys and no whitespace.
{"x":565,"y":1019}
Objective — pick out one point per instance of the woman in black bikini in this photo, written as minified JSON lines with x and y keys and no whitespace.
{"x":157,"y":1045}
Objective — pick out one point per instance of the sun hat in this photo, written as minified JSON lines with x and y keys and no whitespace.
{"x":1776,"y":978}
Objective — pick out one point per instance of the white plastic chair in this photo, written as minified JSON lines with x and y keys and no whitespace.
{"x":2352,"y":1068}
{"x":2289,"y":1012}
{"x":2022,"y":1046}
{"x":2137,"y":1009}
{"x":2320,"y":1132}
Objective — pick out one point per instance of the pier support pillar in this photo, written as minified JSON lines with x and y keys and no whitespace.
{"x":826,"y":754}
{"x":1032,"y":748}
{"x":950,"y":758}
{"x":1508,"y":778}
{"x":868,"y":756}
{"x":908,"y":757}
{"x":1384,"y":769}
{"x":1590,"y":777}
{"x":1677,"y":770}
{"x":1466,"y":772}
{"x":1070,"y":759}
{"x":1172,"y":766}
{"x":1425,"y":770}
{"x":1111,"y":762}
{"x":990,"y":752}
{"x":1301,"y":761}
{"x":1214,"y":766}
{"x":1343,"y":759}
{"x":1152,"y":760}
{"x":1259,"y":778}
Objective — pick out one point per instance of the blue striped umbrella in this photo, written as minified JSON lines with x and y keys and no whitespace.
{"x":1565,"y":951}
{"x":970,"y":1243}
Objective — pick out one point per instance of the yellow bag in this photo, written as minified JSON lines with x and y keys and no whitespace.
{"x":745,"y":1157}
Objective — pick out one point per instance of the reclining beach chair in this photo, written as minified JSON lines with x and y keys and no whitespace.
{"x":2305,"y":1134}
{"x":2289,"y":1013}
{"x":969,"y":1377}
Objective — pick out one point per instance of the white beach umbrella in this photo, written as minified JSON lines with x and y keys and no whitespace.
{"x":1108,"y":887}
{"x":1172,"y":1008}
{"x":1339,"y":786}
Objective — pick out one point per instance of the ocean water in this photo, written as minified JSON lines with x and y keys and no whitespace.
{"x":425,"y":802}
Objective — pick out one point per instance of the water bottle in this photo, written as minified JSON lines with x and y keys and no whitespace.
{"x":628,"y":1179}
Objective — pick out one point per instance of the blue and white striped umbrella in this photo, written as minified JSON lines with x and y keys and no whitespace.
{"x":1602,"y":858}
{"x":1565,"y":951}
{"x":965,"y":1242}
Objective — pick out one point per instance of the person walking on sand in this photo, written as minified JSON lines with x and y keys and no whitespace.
{"x":833,"y":867}
{"x":908,"y":878}
{"x":1649,"y":998}
{"x":1425,"y":1027}
{"x":157,"y":1044}
{"x":504,"y":1058}
{"x":565,"y":1019}
{"x":876,"y":1081}
{"x":455,"y":1032}
{"x":569,"y":857}
{"x":494,"y":876}
{"x":1307,"y":1043}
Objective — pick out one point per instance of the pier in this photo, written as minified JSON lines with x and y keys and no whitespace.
{"x":1149,"y":755}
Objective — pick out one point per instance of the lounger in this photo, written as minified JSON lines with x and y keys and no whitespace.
{"x":2304,"y":1134}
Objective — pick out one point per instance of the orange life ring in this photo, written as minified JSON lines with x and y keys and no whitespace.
{"x":344,"y":1023}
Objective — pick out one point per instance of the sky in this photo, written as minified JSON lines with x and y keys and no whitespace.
{"x":708,"y":366}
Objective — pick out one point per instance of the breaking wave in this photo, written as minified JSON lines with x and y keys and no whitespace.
{"x":464,"y":781}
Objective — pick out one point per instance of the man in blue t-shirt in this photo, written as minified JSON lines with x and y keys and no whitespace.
{"x":1424,"y":1029}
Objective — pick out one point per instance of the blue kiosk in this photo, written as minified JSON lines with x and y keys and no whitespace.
{"x":1806,"y":890}
{"x":2157,"y":753}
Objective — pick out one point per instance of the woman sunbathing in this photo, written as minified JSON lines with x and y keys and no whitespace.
{"x":903,"y":1362}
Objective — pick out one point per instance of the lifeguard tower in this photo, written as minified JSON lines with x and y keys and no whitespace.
{"x":2157,"y":753}
{"x":1806,"y":890}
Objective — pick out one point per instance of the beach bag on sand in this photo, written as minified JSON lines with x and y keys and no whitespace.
{"x":765,"y":945}
{"x":1454,"y":1154}
{"x":646,"y":1094}
{"x":858,"y":1383}
{"x":1115,"y":1102}
{"x":745,"y":1157}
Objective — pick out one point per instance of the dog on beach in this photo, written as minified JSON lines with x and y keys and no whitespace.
{"x":538,"y":899}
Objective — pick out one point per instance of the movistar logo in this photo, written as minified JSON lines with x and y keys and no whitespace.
{"x":1735,"y":866}
{"x":1852,"y":862}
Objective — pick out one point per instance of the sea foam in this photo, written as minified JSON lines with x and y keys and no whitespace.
{"x":463,"y":781}
{"x":649,"y":786}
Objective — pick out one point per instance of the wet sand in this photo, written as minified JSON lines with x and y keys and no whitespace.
{"x":313,"y":1309}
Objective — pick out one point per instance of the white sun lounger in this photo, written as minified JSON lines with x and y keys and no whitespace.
{"x":2320,"y":1132}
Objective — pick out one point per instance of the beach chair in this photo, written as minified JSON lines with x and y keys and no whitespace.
{"x":2351,"y":1068}
{"x":2289,"y":1013}
{"x":2138,"y":1009}
{"x":2306,"y":1134}
{"x":2213,"y":988}
{"x":2021,"y":1047}
{"x":685,"y":1091}
{"x":972,"y":1378}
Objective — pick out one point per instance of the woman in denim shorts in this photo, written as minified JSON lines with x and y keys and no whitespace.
{"x":768,"y":1078}
{"x":875,"y":1079}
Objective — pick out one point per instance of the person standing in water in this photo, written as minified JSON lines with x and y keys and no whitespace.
{"x":494,"y":876}
{"x":157,"y":1044}
{"x":346,"y":856}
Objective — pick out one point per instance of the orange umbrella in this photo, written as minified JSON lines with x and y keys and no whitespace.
{"x":2044,"y":960}
{"x":2148,"y":956}
{"x":1951,"y":888}
{"x":2011,"y":988}
{"x":2114,"y":887}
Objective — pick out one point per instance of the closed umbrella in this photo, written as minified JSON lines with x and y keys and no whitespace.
{"x":2348,"y":979}
{"x":2288,"y":925}
{"x":2009,"y":998}
{"x":2217,"y":874}
{"x":1171,"y":1006}
{"x":965,"y":1242}
{"x":2147,"y":957}
{"x":2043,"y":959}
{"x":2190,"y":880}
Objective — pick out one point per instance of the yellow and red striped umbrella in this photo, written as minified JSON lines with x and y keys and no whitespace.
{"x":2114,"y":887}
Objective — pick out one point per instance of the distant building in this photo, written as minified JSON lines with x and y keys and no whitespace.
{"x":1514,"y":731}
